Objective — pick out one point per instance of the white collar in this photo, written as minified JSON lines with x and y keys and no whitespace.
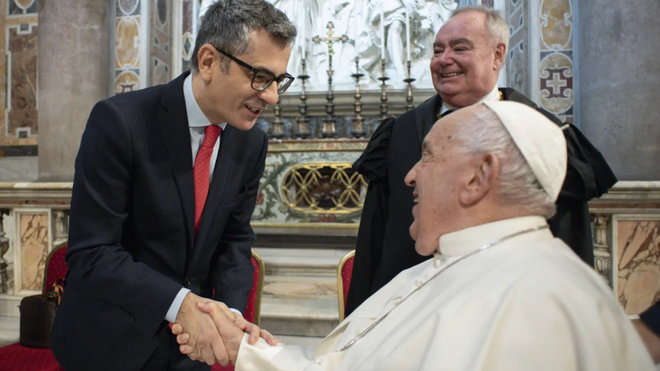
{"x":494,"y":95}
{"x":469,"y":239}
{"x":196,"y":118}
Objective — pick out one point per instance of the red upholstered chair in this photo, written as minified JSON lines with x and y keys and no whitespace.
{"x":252,"y":312}
{"x":17,"y":357}
{"x":344,"y":273}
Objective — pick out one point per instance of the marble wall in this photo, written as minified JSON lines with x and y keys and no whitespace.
{"x":33,"y":248}
{"x":556,"y":57}
{"x":128,"y":41}
{"x":18,"y":77}
{"x":160,"y":51}
{"x":516,"y":66}
{"x":637,"y":248}
{"x":187,"y":37}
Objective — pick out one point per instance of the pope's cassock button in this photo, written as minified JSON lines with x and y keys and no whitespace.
{"x":318,"y":360}
{"x":438,"y":262}
{"x":419,"y":281}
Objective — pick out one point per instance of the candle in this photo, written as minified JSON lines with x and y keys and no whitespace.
{"x":382,"y":36}
{"x":408,"y":36}
{"x":303,"y":36}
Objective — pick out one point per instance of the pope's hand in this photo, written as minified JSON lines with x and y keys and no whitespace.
{"x":215,"y":309}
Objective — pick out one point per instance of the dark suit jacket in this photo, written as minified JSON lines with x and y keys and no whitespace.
{"x":131,"y":241}
{"x":384,"y":246}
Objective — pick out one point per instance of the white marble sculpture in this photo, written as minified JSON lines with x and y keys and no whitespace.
{"x":360,"y":21}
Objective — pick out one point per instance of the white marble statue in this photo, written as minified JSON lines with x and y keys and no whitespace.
{"x":359,"y":20}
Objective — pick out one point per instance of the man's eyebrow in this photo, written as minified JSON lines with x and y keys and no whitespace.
{"x":267,"y":70}
{"x":461,"y":41}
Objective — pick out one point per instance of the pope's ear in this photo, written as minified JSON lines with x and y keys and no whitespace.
{"x":481,"y":179}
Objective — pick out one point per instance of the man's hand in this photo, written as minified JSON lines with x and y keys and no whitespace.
{"x":205,"y":344}
{"x":651,"y":340}
{"x":255,"y":332}
{"x":231,"y":334}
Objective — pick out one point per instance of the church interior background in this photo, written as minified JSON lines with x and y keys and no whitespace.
{"x":58,"y":57}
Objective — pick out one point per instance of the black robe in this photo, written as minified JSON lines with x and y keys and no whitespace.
{"x":384,"y":246}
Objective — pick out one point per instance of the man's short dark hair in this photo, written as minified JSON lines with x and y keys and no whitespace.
{"x":227,"y":24}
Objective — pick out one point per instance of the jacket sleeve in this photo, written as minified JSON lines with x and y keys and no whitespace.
{"x":232,"y":274}
{"x":373,"y":165}
{"x":99,"y":266}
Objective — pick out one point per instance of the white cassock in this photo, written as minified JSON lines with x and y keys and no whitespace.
{"x":527,"y":303}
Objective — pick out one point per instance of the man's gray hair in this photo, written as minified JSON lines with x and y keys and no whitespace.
{"x":518,"y":184}
{"x":227,"y":24}
{"x":497,"y":26}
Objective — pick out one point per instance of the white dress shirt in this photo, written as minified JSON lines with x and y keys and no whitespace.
{"x":197,"y":122}
{"x":494,"y":95}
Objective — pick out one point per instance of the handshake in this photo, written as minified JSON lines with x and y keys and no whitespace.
{"x":208,"y":331}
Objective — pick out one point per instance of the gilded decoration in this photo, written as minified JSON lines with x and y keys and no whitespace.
{"x":324,"y":188}
{"x":127,"y":42}
{"x":309,"y":188}
{"x":556,"y":82}
{"x":127,"y":81}
{"x":556,"y":24}
{"x":638,"y":259}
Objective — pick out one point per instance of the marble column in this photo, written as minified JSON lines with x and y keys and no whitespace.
{"x":74,"y":68}
{"x":619,"y":83}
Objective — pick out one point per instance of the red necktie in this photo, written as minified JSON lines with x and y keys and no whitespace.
{"x":201,"y":170}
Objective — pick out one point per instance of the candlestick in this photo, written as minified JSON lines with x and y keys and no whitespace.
{"x":278,"y":125}
{"x":383,"y":95}
{"x":303,"y":121}
{"x":382,"y":36}
{"x":303,"y":35}
{"x":408,"y":36}
{"x":409,"y":97}
{"x":358,"y":121}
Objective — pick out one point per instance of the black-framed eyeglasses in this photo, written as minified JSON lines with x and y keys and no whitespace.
{"x":261,"y":79}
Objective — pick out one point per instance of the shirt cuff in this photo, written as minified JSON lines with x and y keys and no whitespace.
{"x":236,"y":311}
{"x":176,"y":305}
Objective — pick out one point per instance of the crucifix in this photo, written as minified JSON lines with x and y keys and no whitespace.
{"x":329,"y":130}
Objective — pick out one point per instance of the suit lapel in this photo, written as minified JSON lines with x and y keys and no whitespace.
{"x":224,"y":167}
{"x":425,"y":116}
{"x":176,"y":135}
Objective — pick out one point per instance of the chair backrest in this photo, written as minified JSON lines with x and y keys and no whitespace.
{"x":252,"y":312}
{"x":56,"y":267}
{"x":344,"y":274}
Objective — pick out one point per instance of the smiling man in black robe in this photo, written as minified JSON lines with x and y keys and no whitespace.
{"x":469,"y":51}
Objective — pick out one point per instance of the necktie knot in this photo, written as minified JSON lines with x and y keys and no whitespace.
{"x":211,"y":134}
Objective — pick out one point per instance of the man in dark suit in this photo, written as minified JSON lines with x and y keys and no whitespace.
{"x":165,"y":184}
{"x":469,"y":51}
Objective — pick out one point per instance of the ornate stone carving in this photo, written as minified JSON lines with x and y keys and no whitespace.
{"x":61,"y":223}
{"x":4,"y":247}
{"x":602,"y":251}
